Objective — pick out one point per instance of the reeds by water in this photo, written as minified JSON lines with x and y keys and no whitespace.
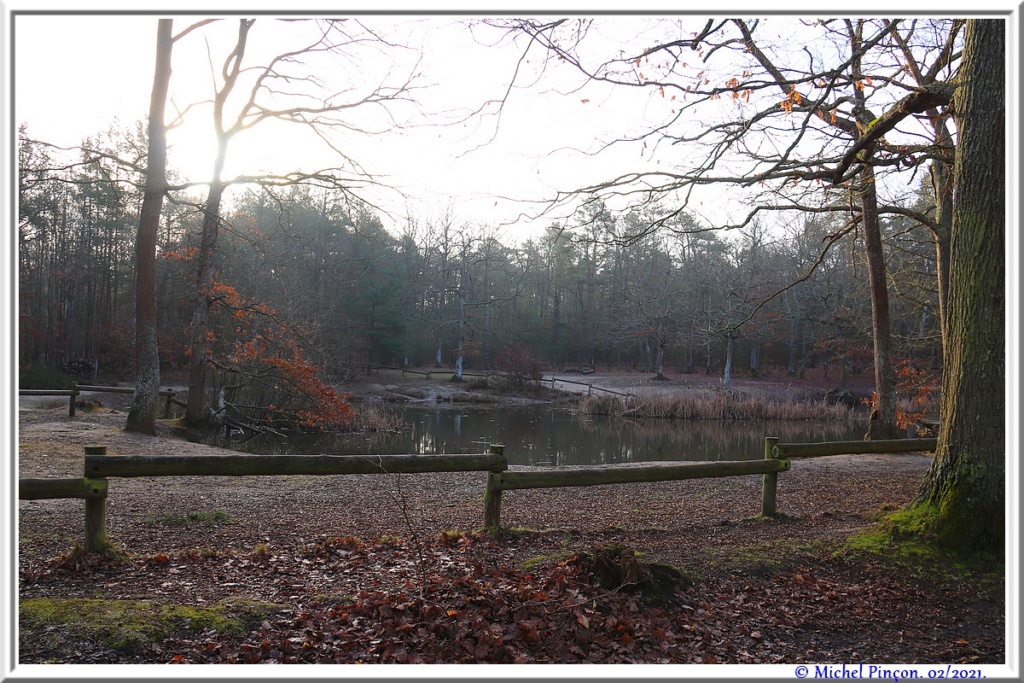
{"x":717,"y":405}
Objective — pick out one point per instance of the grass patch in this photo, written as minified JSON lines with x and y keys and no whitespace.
{"x":127,"y":626}
{"x":532,"y":563}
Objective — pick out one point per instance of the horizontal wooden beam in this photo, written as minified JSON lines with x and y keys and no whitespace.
{"x":43,"y":489}
{"x":814,"y":450}
{"x":247,"y":465}
{"x":119,"y":390}
{"x":81,"y":388}
{"x":536,"y":479}
{"x":47,"y":392}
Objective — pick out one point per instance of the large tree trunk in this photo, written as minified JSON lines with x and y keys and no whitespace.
{"x":882,"y":424}
{"x":142,"y":415}
{"x":965,"y":484}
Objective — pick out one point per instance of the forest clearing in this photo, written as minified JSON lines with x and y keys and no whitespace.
{"x":393,"y":568}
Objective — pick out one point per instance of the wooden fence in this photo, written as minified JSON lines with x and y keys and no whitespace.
{"x":77,"y":389}
{"x":99,"y":467}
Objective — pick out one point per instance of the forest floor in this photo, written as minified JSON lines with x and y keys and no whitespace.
{"x":380,"y":568}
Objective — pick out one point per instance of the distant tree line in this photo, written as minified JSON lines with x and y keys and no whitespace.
{"x":596,"y":291}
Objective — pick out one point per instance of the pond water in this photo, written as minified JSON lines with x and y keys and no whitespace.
{"x":540,"y":435}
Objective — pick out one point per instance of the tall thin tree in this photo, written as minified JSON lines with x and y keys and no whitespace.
{"x":142,"y":415}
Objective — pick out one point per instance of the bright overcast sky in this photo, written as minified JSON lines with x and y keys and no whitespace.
{"x":103,"y":72}
{"x":76,"y":75}
{"x":103,"y":69}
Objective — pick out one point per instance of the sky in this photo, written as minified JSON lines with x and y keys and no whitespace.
{"x":103,"y":74}
{"x":489,"y":169}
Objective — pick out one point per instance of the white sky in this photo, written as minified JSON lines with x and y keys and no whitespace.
{"x":103,"y":68}
{"x":75,"y":75}
{"x":102,"y":72}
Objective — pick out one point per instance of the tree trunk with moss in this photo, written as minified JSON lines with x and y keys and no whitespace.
{"x":965,"y":485}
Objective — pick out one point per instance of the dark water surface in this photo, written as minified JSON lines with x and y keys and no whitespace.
{"x":539,"y":435}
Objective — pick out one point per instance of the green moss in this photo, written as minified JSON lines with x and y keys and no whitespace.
{"x":904,"y":534}
{"x":533,"y":562}
{"x":777,"y":517}
{"x":128,"y":626}
{"x":769,"y":558}
{"x":909,"y":536}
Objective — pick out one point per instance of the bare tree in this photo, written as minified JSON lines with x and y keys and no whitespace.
{"x":283,"y":88}
{"x":796,"y":129}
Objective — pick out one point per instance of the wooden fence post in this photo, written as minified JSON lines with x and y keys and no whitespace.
{"x":492,"y":495}
{"x":770,"y":484}
{"x":96,"y":514}
{"x":167,"y":406}
{"x":73,"y":399}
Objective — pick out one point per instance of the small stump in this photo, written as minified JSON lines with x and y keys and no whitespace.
{"x":617,"y":568}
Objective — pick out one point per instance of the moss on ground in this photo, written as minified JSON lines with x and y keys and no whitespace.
{"x":908,"y":536}
{"x":127,"y":626}
{"x":532,"y":563}
{"x":770,"y":557}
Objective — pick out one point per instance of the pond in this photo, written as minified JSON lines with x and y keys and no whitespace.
{"x":540,"y":435}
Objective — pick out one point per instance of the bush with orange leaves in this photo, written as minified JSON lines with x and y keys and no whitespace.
{"x":261,"y":370}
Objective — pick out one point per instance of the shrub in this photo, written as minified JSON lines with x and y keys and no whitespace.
{"x":519,"y":366}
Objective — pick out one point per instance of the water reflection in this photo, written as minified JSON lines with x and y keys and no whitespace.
{"x":542,"y":436}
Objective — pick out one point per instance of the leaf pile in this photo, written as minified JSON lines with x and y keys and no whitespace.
{"x":455,"y":601}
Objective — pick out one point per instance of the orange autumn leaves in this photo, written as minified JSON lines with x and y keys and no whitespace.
{"x":249,"y":341}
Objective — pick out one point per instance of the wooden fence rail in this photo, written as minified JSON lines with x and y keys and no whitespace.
{"x":48,"y":489}
{"x":284,"y":465}
{"x":99,"y":466}
{"x":589,"y":385}
{"x":559,"y":478}
{"x":488,"y":375}
{"x":814,"y":450}
{"x":77,"y":389}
